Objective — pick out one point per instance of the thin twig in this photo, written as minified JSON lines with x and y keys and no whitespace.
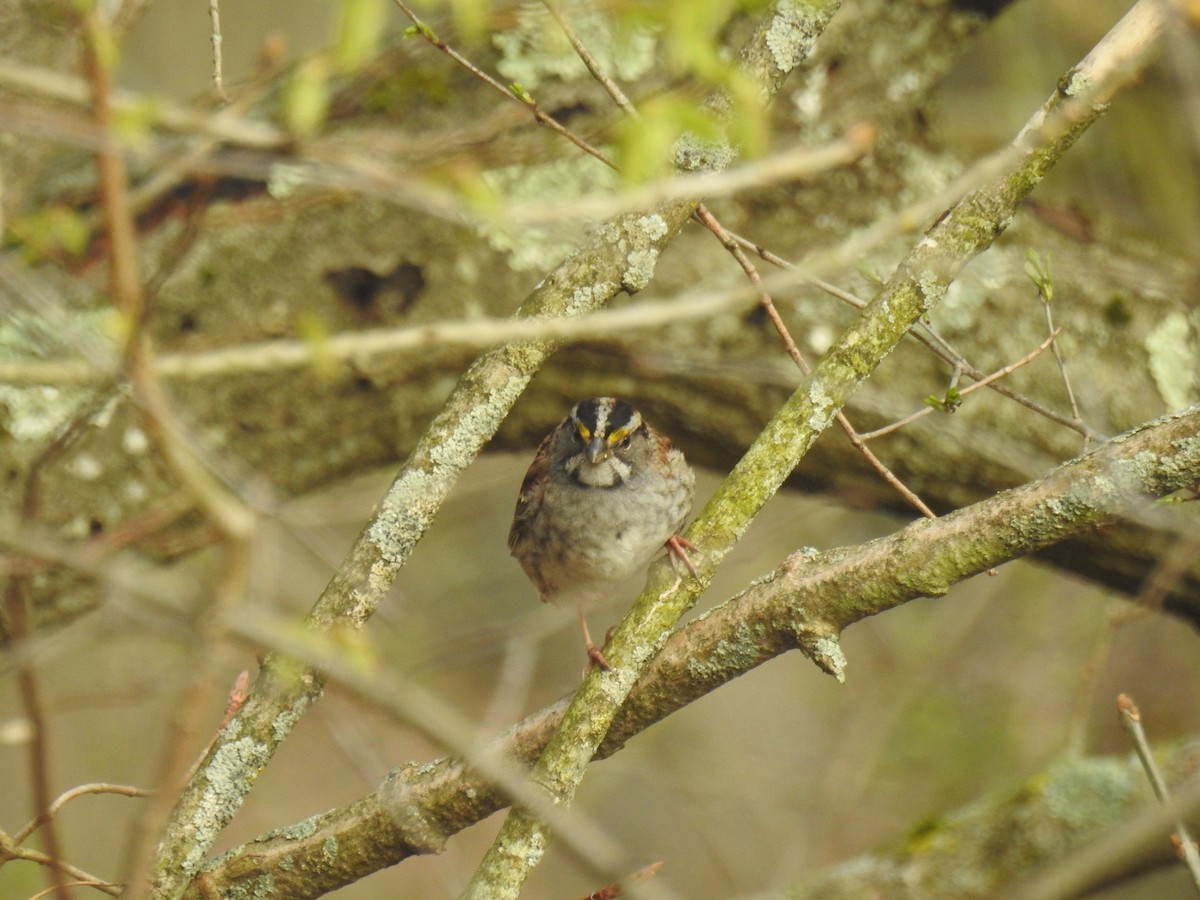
{"x":59,"y":867}
{"x":125,"y":285}
{"x":66,"y":797}
{"x":768,"y":305}
{"x":214,"y":15}
{"x":986,"y":381}
{"x":359,"y":348}
{"x":98,"y":885}
{"x":1062,"y":363}
{"x":791,"y":164}
{"x":222,"y":125}
{"x":928,"y":336}
{"x":28,"y":681}
{"x":1185,"y":845}
{"x":594,"y":67}
{"x":878,"y":465}
{"x":29,"y":688}
{"x":541,"y":117}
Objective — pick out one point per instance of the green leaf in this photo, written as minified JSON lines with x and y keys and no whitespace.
{"x":306,"y":102}
{"x":471,"y":19}
{"x":947,"y":403}
{"x":315,"y":333}
{"x":50,"y":232}
{"x":135,"y":122}
{"x":360,"y":25}
{"x":105,"y":45}
{"x":1039,"y":272}
{"x":670,"y":132}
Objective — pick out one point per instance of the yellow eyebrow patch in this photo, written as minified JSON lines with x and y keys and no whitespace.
{"x":583,"y":430}
{"x":617,"y":436}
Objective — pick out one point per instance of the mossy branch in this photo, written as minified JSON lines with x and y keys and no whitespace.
{"x":587,"y":280}
{"x":805,"y":603}
{"x":983,"y":849}
{"x":614,"y":259}
{"x":916,"y":287}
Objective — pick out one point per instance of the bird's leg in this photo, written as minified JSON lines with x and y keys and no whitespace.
{"x":677,"y":548}
{"x":593,"y":651}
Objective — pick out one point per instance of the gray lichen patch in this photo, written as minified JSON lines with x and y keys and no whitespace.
{"x":532,"y":248}
{"x":692,"y":153}
{"x":329,"y":849}
{"x":228,"y":783}
{"x":827,"y":653}
{"x":535,"y":49}
{"x":36,"y":413}
{"x":640,"y":271}
{"x":1174,"y":360}
{"x":787,"y":37}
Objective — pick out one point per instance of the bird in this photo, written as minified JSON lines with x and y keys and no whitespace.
{"x":604,"y":495}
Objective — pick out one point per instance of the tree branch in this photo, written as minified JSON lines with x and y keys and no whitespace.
{"x":919,"y":284}
{"x":982,"y":849}
{"x":282,"y":693}
{"x":805,"y":604}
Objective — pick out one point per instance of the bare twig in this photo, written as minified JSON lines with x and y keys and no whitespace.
{"x":1062,"y":368}
{"x":98,"y":885}
{"x":594,"y":67}
{"x":795,"y":163}
{"x":214,"y":15}
{"x":29,"y":687}
{"x":420,"y":27}
{"x":985,"y":381}
{"x":928,"y":336}
{"x":1039,"y":271}
{"x":28,"y":682}
{"x":63,"y":799}
{"x":125,"y":284}
{"x":768,"y":305}
{"x":222,"y":125}
{"x":1131,"y":719}
{"x":359,"y":348}
{"x":82,"y":879}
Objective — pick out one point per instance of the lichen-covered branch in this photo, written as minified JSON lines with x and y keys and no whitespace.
{"x":787,"y":35}
{"x":982,"y":849}
{"x":621,"y":255}
{"x":283,"y":691}
{"x":805,"y":603}
{"x":917,"y":286}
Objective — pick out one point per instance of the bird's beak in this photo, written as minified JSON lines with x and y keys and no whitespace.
{"x":596,"y":450}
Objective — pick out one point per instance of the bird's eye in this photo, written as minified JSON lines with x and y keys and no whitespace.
{"x":626,"y":441}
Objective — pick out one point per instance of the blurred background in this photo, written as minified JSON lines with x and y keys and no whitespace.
{"x":772,"y":777}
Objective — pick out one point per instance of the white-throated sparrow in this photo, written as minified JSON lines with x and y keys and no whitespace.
{"x":604,"y":494}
